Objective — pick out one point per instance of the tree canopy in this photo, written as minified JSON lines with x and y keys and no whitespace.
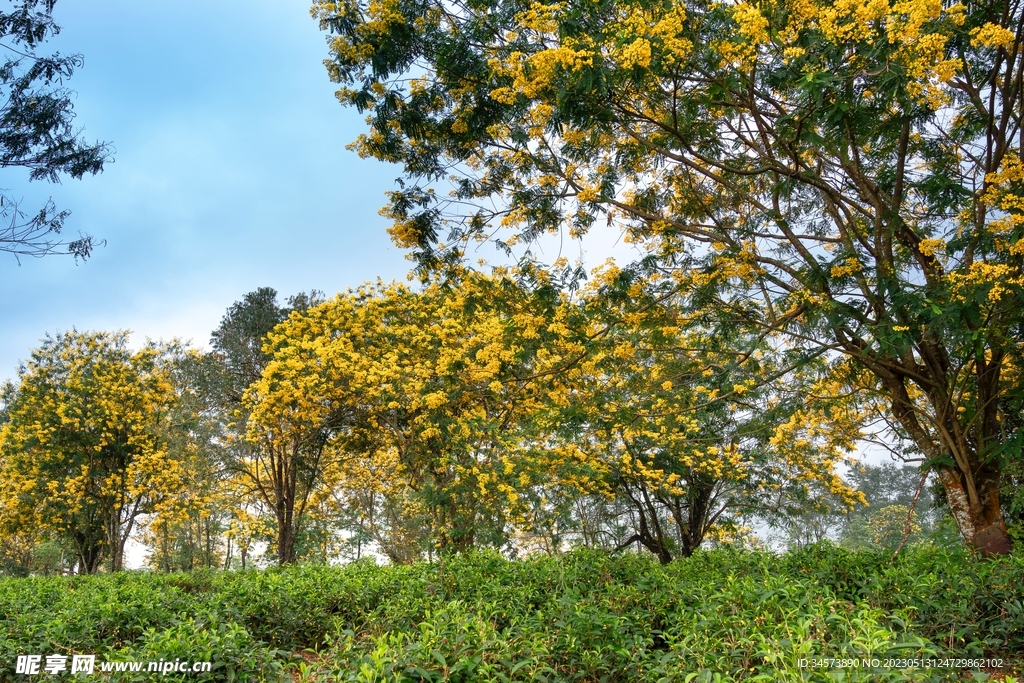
{"x":83,"y":446}
{"x":845,"y":176}
{"x":488,"y":410}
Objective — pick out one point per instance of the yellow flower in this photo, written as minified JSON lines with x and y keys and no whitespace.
{"x":637,"y":53}
{"x":993,"y":35}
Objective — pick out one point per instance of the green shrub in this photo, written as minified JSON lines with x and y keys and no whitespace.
{"x":233,"y":653}
{"x":584,"y":616}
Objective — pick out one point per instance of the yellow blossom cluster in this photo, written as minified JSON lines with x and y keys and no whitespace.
{"x":84,"y":450}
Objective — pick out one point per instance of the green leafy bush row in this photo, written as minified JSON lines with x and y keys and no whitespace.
{"x":583,"y":616}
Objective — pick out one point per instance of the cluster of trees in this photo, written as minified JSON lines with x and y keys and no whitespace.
{"x":846,"y":179}
{"x":829,"y":201}
{"x":487,"y":411}
{"x":901,"y":509}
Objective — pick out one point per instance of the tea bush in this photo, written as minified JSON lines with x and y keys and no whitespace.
{"x":234,"y":654}
{"x":722,"y":615}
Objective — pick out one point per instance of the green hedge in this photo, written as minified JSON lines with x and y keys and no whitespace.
{"x":583,"y":616}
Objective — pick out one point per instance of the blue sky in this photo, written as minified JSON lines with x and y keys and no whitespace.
{"x":230,"y":173}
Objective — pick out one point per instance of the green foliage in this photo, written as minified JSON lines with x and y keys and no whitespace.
{"x":889,"y":492}
{"x":234,"y":654}
{"x":584,"y":616}
{"x":1012,"y":495}
{"x":37,"y":132}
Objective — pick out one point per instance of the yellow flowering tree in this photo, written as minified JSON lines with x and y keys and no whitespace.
{"x":276,"y":472}
{"x":691,"y":429}
{"x":488,"y":410}
{"x":419,"y":395}
{"x":844,"y":173}
{"x":82,"y":453}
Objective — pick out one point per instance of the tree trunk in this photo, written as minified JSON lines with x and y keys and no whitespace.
{"x":209,"y":546}
{"x":89,"y":559}
{"x":980,"y":522}
{"x":285,"y":539}
{"x":649,"y":532}
{"x":114,"y":539}
{"x":971,"y":483}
